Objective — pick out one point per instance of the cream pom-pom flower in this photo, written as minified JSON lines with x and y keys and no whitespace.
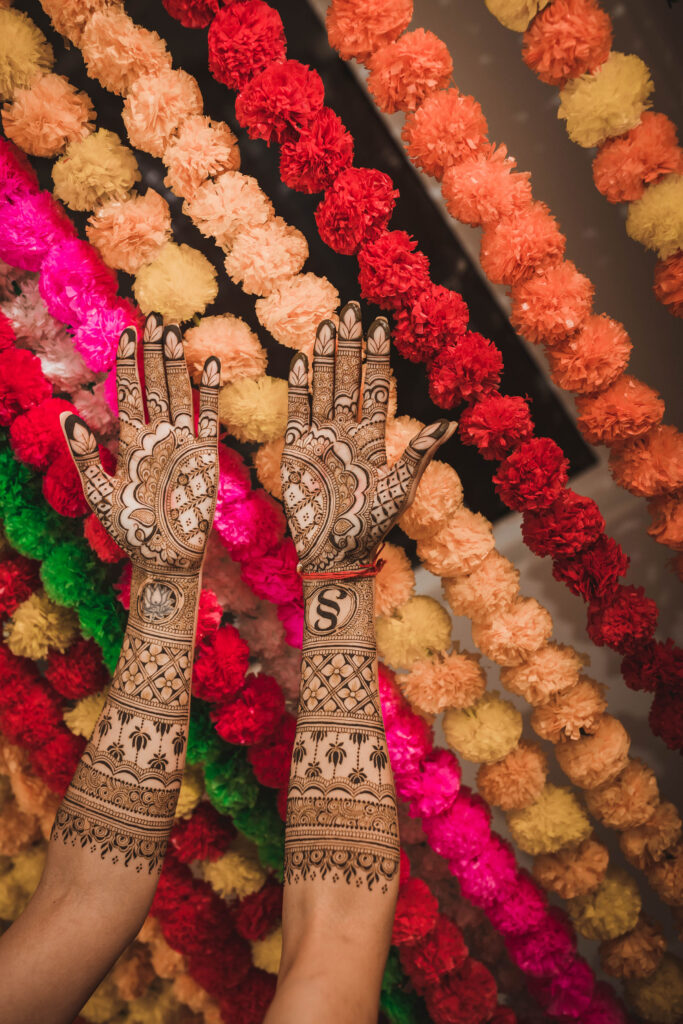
{"x":234,"y":875}
{"x":608,"y":102}
{"x":609,"y":910}
{"x":93,"y":170}
{"x":656,"y":219}
{"x":418,"y":629}
{"x":24,"y":52}
{"x":486,"y":732}
{"x":515,"y":14}
{"x":266,"y":953}
{"x":39,"y":626}
{"x":254,"y":410}
{"x":232,"y":341}
{"x":267,"y":461}
{"x":555,"y":820}
{"x":81,"y":718}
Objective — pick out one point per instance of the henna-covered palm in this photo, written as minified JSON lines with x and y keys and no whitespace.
{"x":340,"y":496}
{"x":159,"y":505}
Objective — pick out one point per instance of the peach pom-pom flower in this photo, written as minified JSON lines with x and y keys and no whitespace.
{"x":486,"y":591}
{"x":232,"y":341}
{"x":516,"y":632}
{"x":264,"y":256}
{"x":569,"y":714}
{"x":202,"y":149}
{"x":667,"y":520}
{"x":356,"y":28}
{"x":395,"y":582}
{"x":646,"y":844}
{"x":438,"y":496}
{"x":515,"y":781}
{"x":129,"y":233}
{"x":116,"y":51}
{"x":628,"y":800}
{"x":598,"y":758}
{"x":454,"y":680}
{"x":48,"y":115}
{"x":458,"y":546}
{"x":293,"y":311}
{"x":574,"y":871}
{"x":221,"y":209}
{"x":636,"y":954}
{"x":156,"y":107}
{"x":69,"y":17}
{"x":551,"y":669}
{"x":403,"y":73}
{"x":446,"y":128}
{"x":267,"y":461}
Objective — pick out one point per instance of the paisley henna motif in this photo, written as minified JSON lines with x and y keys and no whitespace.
{"x":158,"y":507}
{"x":341,"y":500}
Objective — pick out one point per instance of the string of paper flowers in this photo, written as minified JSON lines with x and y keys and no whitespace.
{"x":283,"y":101}
{"x":604,"y":101}
{"x":446,"y":135}
{"x":220,"y":666}
{"x":446,"y":636}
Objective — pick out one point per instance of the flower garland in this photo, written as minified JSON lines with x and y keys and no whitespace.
{"x":604,"y":100}
{"x":284,"y":103}
{"x":446,"y":136}
{"x":162,"y":114}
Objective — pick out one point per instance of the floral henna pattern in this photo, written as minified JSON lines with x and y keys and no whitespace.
{"x":158,"y":507}
{"x":340,"y":496}
{"x":341,"y":500}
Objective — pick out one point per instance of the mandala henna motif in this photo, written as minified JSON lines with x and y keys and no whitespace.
{"x":158,"y":507}
{"x":341,"y":499}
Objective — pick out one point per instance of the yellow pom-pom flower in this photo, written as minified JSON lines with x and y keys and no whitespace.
{"x":191,"y":792}
{"x":39,"y":626}
{"x":656,"y":219}
{"x":266,"y":953}
{"x":94,"y":170}
{"x":515,"y":14}
{"x":232,"y":341}
{"x":486,"y":732}
{"x":104,"y":1004}
{"x":178,"y":283}
{"x":234,"y":876}
{"x":418,"y":629}
{"x":555,"y":820}
{"x":659,"y":997}
{"x":24,"y":52}
{"x":609,"y":102}
{"x":254,"y":410}
{"x":12,"y":899}
{"x":81,"y":718}
{"x":608,"y":911}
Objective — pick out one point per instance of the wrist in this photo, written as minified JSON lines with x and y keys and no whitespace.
{"x":164,"y":602}
{"x":339,"y":610}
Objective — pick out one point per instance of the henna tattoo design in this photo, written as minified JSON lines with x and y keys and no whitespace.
{"x":158,"y":507}
{"x":341,"y":500}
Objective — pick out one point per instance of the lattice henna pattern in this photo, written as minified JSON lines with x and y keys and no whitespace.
{"x":158,"y":507}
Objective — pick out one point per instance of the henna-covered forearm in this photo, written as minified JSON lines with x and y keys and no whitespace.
{"x":121,"y":801}
{"x":341,"y":813}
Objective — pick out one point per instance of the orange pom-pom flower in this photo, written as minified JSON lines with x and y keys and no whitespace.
{"x":516,"y":246}
{"x":650,"y":465}
{"x":446,"y":128}
{"x":566,"y":39}
{"x":483,"y":188}
{"x":552,"y":305}
{"x":356,"y":28}
{"x":627,"y":408}
{"x":403,"y":73}
{"x":626,"y":164}
{"x":668,"y":286}
{"x":593,"y":357}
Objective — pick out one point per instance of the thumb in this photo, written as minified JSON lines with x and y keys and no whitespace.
{"x":420,"y":451}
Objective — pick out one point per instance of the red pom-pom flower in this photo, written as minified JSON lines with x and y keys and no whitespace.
{"x":533,"y":476}
{"x":311,"y":162}
{"x":281,"y":100}
{"x":356,"y":209}
{"x":435,"y":317}
{"x":244,"y":39}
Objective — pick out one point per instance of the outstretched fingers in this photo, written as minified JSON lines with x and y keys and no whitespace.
{"x":207,"y":425}
{"x":177,"y":378}
{"x":298,"y":399}
{"x":156,"y":389}
{"x":128,"y":390}
{"x":323,"y":371}
{"x":348,"y":363}
{"x":97,"y":485}
{"x":376,"y":386}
